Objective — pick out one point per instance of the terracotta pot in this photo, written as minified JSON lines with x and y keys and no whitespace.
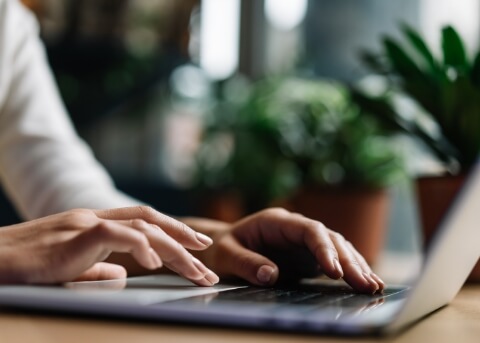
{"x":435,"y":195}
{"x":225,"y":206}
{"x":360,"y":215}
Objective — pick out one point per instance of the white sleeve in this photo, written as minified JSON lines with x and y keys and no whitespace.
{"x":44,"y":166}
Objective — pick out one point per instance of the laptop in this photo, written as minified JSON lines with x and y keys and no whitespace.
{"x":315,"y":306}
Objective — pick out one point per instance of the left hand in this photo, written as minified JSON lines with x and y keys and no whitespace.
{"x":275,"y":244}
{"x":72,"y":245}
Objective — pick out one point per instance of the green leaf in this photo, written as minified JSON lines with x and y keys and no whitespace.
{"x":381,"y":110}
{"x":401,"y":61}
{"x":390,"y":120}
{"x":454,"y":54}
{"x":475,"y":72}
{"x":448,"y":89}
{"x":420,"y":86}
{"x":463,"y":129}
{"x":423,"y":50}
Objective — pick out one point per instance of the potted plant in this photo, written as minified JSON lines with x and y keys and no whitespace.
{"x":304,"y":145}
{"x":446,"y":91}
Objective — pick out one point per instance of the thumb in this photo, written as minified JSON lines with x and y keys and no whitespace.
{"x":247,"y":264}
{"x":103,"y":271}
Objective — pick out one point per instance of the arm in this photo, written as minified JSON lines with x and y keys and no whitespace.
{"x":44,"y":166}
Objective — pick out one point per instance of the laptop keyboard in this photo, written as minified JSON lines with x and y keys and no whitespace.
{"x":341,"y":296}
{"x":308,"y":300}
{"x":280,"y":296}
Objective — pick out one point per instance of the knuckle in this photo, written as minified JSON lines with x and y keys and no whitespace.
{"x":139,"y":223}
{"x":354,"y":262}
{"x":317,"y":225}
{"x":327,"y":249}
{"x":363,"y":262}
{"x":78,"y":211}
{"x":185,"y":230}
{"x":331,"y":248}
{"x":276,"y":211}
{"x":70,"y":219}
{"x":180,"y":260}
{"x":142,"y":240}
{"x":177,"y":254}
{"x":102,"y":230}
{"x":337,"y":236}
{"x":361,"y":259}
{"x":76,"y":218}
{"x":349,"y":260}
{"x":298,"y":214}
{"x":147,"y":211}
{"x":156,"y":227}
{"x":350,"y":245}
{"x":313,"y":228}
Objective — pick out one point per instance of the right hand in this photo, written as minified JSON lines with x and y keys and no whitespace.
{"x":73,"y":245}
{"x":275,"y":243}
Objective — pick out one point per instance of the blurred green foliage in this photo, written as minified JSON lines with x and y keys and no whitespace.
{"x":447,"y":89}
{"x":269,"y":138}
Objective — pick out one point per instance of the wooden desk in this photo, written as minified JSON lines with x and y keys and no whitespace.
{"x":459,"y":322}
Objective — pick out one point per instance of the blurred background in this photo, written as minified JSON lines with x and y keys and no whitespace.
{"x":139,"y":76}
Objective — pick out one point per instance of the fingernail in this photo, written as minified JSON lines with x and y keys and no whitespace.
{"x":203,"y":282}
{"x":204,"y":239}
{"x":264,"y":274}
{"x":156,"y":261}
{"x":209,"y":275}
{"x":378,"y":280}
{"x":338,"y":267}
{"x":212,"y":278}
{"x":371,"y":281}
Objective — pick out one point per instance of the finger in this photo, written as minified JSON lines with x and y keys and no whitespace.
{"x":368,"y":274}
{"x":148,"y":227}
{"x":209,"y":279}
{"x":241,"y":262}
{"x":174,"y":255}
{"x":300,"y":230}
{"x":352,"y":266}
{"x":318,"y":241}
{"x":380,"y":282}
{"x":96,"y":244}
{"x":174,"y":228}
{"x":103,"y":271}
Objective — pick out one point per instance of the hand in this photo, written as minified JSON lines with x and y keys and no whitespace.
{"x":277,"y":245}
{"x":72,"y":245}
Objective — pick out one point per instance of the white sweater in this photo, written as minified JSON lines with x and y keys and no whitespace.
{"x":44,"y":166}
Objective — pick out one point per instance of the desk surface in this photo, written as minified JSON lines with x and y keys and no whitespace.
{"x":459,"y":322}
